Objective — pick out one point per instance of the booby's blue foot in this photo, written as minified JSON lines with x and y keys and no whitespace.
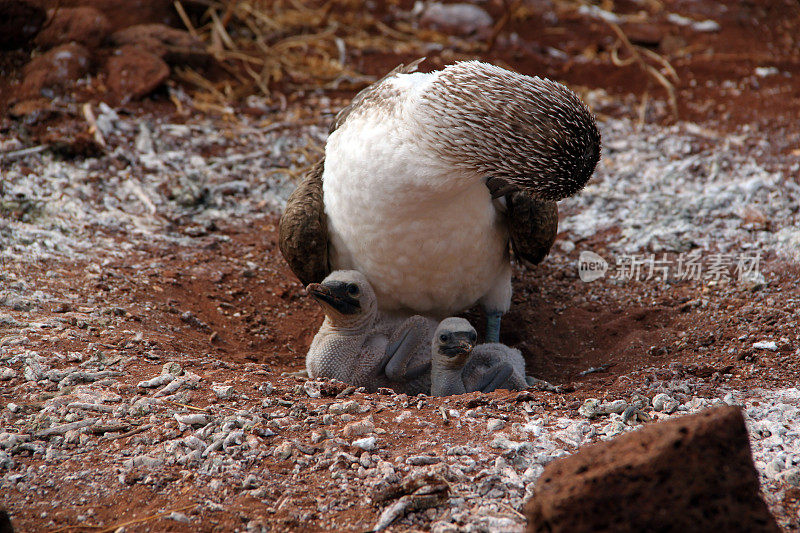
{"x":493,"y":327}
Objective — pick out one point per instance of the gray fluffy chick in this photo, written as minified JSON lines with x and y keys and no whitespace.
{"x":458,"y":366}
{"x":357,"y":345}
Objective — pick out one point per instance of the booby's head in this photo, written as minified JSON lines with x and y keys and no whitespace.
{"x":520,"y":132}
{"x":346,"y":297}
{"x":453,"y":342}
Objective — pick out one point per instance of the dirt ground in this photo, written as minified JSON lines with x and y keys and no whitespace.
{"x":229,"y":310}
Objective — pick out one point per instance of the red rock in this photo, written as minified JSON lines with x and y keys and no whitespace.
{"x":123,"y":13}
{"x":643,"y":33}
{"x":20,"y":21}
{"x":173,"y":45}
{"x":134,"y":72}
{"x":691,"y":474}
{"x":54,"y":71}
{"x":33,"y":110}
{"x":83,"y":25}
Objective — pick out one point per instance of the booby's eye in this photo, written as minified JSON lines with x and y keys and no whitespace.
{"x":352,"y":289}
{"x":443,"y":337}
{"x":473,"y":336}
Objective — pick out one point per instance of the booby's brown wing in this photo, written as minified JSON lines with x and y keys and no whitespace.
{"x":303,"y":229}
{"x":532,"y":225}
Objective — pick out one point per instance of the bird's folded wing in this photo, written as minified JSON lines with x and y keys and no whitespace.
{"x":303,"y":229}
{"x":532,"y":226}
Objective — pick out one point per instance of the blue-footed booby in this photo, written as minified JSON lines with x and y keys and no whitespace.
{"x":459,"y":366}
{"x":427,"y":178}
{"x":358,"y":345}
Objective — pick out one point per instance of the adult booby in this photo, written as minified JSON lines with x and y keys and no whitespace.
{"x":459,"y":366}
{"x":357,"y":345}
{"x":427,"y":177}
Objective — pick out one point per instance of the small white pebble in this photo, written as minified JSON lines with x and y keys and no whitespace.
{"x":766,"y":345}
{"x":493,"y":424}
{"x":367,"y":443}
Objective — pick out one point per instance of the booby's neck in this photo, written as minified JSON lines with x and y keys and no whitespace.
{"x":446,"y":377}
{"x":355,"y":327}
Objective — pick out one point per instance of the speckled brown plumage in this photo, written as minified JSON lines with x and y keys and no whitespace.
{"x":532,"y":226}
{"x":303,"y":229}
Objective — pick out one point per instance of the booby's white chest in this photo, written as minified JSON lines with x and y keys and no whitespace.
{"x":427,"y":236}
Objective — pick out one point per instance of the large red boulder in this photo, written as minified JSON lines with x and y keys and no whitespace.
{"x":134,"y":72}
{"x":691,"y":474}
{"x":83,"y":25}
{"x":54,"y":71}
{"x":122,"y":13}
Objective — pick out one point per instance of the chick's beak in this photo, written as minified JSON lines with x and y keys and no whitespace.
{"x":333,"y":294}
{"x":458,"y":347}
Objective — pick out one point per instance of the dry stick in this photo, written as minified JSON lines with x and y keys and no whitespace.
{"x":67,"y":528}
{"x":185,"y":19}
{"x":664,"y":62}
{"x":258,"y":79}
{"x":203,"y":409}
{"x":258,"y":14}
{"x":23,"y":152}
{"x":132,"y":432}
{"x":220,"y":29}
{"x":615,"y":57}
{"x":260,"y":41}
{"x":673,"y":101}
{"x":147,"y":518}
{"x":300,"y":7}
{"x":510,"y":9}
{"x":517,"y":513}
{"x":88,"y":114}
{"x":643,"y":110}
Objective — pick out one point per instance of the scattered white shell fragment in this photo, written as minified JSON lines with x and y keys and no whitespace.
{"x":367,"y":443}
{"x":765,"y":345}
{"x":157,"y":381}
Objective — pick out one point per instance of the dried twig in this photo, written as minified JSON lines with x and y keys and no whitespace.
{"x":192,"y":407}
{"x":510,"y":9}
{"x":88,"y":114}
{"x":185,"y":18}
{"x":134,"y":431}
{"x":15,"y":154}
{"x":146,"y":518}
{"x":643,"y":110}
{"x":636,"y":56}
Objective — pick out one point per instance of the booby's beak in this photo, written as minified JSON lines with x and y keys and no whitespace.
{"x":461,"y":344}
{"x":335,"y":295}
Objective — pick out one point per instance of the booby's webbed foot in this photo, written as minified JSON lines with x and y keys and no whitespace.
{"x":495,"y":377}
{"x":398,"y":353}
{"x":493,"y":327}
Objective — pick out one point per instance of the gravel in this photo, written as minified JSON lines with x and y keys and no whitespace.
{"x":103,"y":418}
{"x":707,"y":193}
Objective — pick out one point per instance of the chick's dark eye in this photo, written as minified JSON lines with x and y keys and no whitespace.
{"x":473,"y":336}
{"x":352,"y":290}
{"x":443,"y":337}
